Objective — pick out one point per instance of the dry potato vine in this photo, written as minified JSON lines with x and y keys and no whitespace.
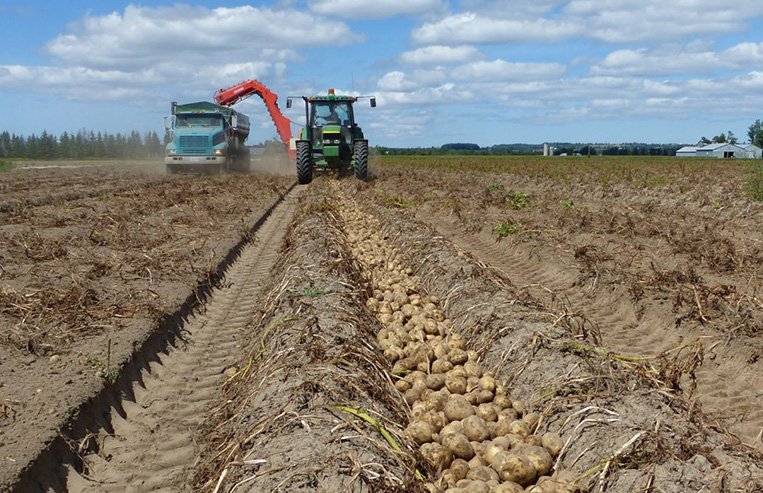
{"x":467,"y":427}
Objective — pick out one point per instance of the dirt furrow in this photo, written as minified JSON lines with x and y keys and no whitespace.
{"x":148,"y":444}
{"x":725,"y":384}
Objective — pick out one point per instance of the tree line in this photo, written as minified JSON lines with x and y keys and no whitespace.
{"x":558,"y":148}
{"x":82,"y":144}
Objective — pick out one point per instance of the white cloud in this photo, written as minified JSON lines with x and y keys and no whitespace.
{"x":612,"y":21}
{"x":439,"y":55}
{"x":145,"y":35}
{"x":501,"y":70}
{"x":671,"y":60}
{"x":375,"y":9}
{"x":468,"y":28}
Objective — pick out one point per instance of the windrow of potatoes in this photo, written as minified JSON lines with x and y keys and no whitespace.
{"x":476,"y":437}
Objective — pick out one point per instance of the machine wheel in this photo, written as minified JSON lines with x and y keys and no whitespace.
{"x":304,"y":163}
{"x":171,"y":169}
{"x":361,"y":159}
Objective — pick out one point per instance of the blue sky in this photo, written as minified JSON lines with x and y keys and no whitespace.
{"x":481,"y":71}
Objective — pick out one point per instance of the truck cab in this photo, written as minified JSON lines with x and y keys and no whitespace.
{"x":206,"y":138}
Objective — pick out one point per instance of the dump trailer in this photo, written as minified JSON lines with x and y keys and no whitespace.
{"x":206,"y":138}
{"x":331,"y":138}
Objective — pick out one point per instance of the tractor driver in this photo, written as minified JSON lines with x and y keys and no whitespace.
{"x":329,"y":114}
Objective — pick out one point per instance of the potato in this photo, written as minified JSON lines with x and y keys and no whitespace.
{"x":411,"y":395}
{"x":538,"y":457}
{"x":472,"y":356}
{"x":441,"y":365}
{"x":532,"y":420}
{"x":519,"y":407}
{"x":403,"y":366}
{"x":488,"y":411}
{"x":509,"y":413}
{"x":503,"y":441}
{"x":436,"y":400}
{"x":508,"y":487}
{"x":473,"y":369}
{"x":477,"y":461}
{"x":482,"y":473}
{"x":418,"y":408}
{"x":458,"y":408}
{"x":430,"y":327}
{"x":484,"y":396}
{"x":475,"y":428}
{"x":435,"y":419}
{"x":511,"y":466}
{"x":456,"y":341}
{"x":502,"y":427}
{"x":458,"y":371}
{"x":459,"y":468}
{"x":455,"y":384}
{"x":533,"y":440}
{"x":441,"y":350}
{"x":438,"y":455}
{"x":519,"y":427}
{"x":479,"y":447}
{"x":402,"y":385}
{"x":471,"y":383}
{"x":552,"y":442}
{"x":491,"y":451}
{"x":420,"y":432}
{"x":502,"y":401}
{"x":452,"y":427}
{"x":487,"y":382}
{"x":457,"y":356}
{"x":459,"y":445}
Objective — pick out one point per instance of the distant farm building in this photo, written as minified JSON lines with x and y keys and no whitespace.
{"x":688,"y":151}
{"x":724,"y":150}
{"x":752,"y":151}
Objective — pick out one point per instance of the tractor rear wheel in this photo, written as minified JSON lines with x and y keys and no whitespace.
{"x":304,"y":163}
{"x":361,"y":159}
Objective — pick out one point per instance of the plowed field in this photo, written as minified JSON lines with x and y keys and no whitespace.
{"x":461,"y":325}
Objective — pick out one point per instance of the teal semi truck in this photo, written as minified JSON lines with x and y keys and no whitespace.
{"x":206,"y":138}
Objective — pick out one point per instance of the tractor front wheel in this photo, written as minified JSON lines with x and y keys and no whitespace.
{"x":361,"y":159}
{"x":304,"y":163}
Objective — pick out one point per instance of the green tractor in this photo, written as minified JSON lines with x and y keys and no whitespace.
{"x":331,"y":139}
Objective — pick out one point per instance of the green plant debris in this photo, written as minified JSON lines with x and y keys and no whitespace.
{"x":517,"y":200}
{"x":506,"y":228}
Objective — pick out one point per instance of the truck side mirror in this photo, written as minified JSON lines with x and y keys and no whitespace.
{"x":173,"y":106}
{"x":234,"y":121}
{"x":288,"y":103}
{"x":373,"y":102}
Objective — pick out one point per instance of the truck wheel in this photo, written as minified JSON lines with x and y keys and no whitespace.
{"x":171,"y":169}
{"x":361,"y":159}
{"x":304,"y":163}
{"x":242,"y":162}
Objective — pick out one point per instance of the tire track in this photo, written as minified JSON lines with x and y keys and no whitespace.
{"x":724,"y":383}
{"x":147,"y":444}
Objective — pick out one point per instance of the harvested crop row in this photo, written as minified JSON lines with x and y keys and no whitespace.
{"x":475,"y":436}
{"x":310,"y":408}
{"x":625,"y":422}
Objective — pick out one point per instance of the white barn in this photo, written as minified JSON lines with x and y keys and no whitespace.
{"x":752,"y":151}
{"x":688,"y":151}
{"x":721,"y":151}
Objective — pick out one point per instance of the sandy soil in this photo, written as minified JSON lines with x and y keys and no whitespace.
{"x":620,"y":315}
{"x":652,"y":270}
{"x":91,"y":261}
